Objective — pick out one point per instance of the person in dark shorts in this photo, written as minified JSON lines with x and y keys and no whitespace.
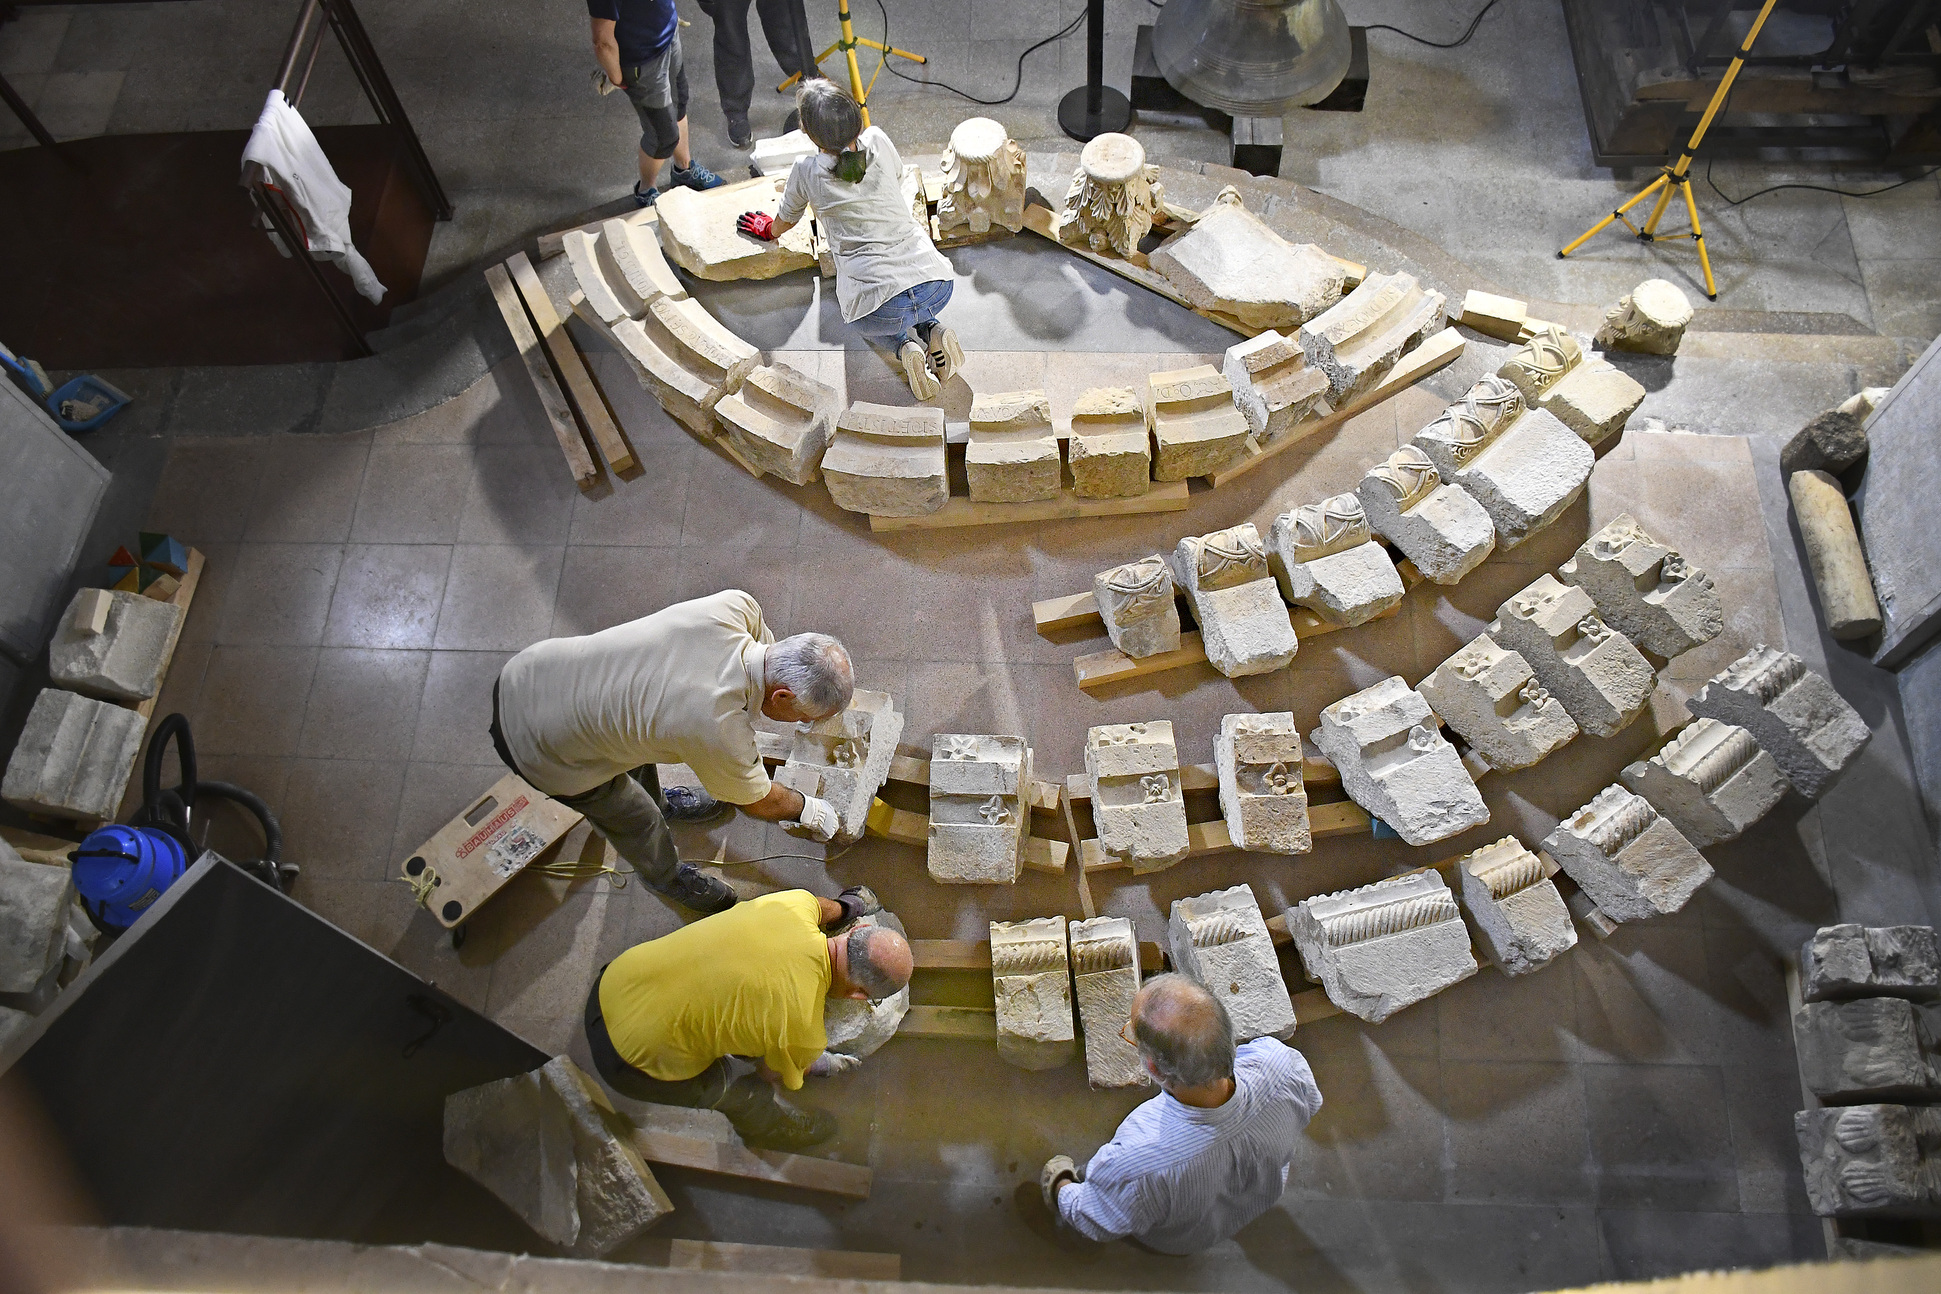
{"x":638,"y":46}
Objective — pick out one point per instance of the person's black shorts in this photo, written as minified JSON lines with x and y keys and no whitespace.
{"x":658,"y":91}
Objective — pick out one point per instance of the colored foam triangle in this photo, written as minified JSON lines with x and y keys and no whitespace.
{"x":166,"y":553}
{"x":123,"y":557}
{"x":129,"y":583}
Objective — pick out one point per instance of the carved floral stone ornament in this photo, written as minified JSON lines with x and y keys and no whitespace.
{"x":1229,"y":557}
{"x":1409,"y":475}
{"x":1593,"y":630}
{"x":1329,"y":526}
{"x":1140,"y":589}
{"x":1113,"y":197}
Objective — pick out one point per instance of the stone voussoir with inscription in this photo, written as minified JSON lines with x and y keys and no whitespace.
{"x":1492,"y":697}
{"x":1645,"y":589}
{"x":1137,"y":801}
{"x":979,"y":820}
{"x":1603,"y":680}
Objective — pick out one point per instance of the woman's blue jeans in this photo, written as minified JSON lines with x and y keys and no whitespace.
{"x":895,"y":318}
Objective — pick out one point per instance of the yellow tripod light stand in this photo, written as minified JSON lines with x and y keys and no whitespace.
{"x":850,"y":40}
{"x":1675,"y":176}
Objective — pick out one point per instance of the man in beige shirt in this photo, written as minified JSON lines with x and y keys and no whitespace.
{"x":586,"y":719}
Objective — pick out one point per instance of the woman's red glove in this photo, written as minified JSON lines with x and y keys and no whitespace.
{"x":758,"y":223}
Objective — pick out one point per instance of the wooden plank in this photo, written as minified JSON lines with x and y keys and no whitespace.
{"x":975,"y":1022}
{"x":580,"y":386}
{"x":1206,"y":839}
{"x":1085,"y":904}
{"x":1494,"y":316}
{"x":1313,"y":1005}
{"x":906,"y":827}
{"x":1165,"y":496}
{"x":184,"y":595}
{"x":558,"y":412}
{"x":1098,"y":669}
{"x":775,"y":1260}
{"x":732,"y":1159}
{"x":1435,"y":353}
{"x":1205,"y":777}
{"x":1073,"y":611}
{"x":975,"y":954}
{"x":33,"y":847}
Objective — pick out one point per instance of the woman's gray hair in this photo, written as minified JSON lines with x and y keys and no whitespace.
{"x":815,"y":667}
{"x":830,"y":118}
{"x":1183,"y":1032}
{"x":864,"y":970}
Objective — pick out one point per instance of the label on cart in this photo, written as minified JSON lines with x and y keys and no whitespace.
{"x":514,"y":850}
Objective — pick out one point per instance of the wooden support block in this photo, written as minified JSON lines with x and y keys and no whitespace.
{"x":1313,"y":1005}
{"x":974,"y":1022}
{"x":33,"y":847}
{"x":962,"y":511}
{"x":580,"y":386}
{"x":733,"y":1159}
{"x":1098,"y":669}
{"x":184,"y":595}
{"x":1437,"y":352}
{"x":91,"y":608}
{"x":906,"y":827}
{"x":774,"y":1260}
{"x":559,"y":413}
{"x":1493,"y":316}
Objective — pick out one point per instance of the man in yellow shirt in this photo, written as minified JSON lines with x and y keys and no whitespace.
{"x":586,"y":719}
{"x":715,"y":1013}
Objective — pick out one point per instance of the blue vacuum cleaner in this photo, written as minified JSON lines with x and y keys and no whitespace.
{"x":119,"y":871}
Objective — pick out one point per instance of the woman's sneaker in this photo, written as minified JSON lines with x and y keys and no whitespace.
{"x":916,"y":371}
{"x":946,"y":356}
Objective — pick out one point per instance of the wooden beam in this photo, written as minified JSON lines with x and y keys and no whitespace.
{"x":775,"y":1260}
{"x":1169,"y":496}
{"x":580,"y":386}
{"x":1085,"y":904}
{"x":909,"y":828}
{"x":559,"y":413}
{"x":33,"y":847}
{"x":975,"y":1022}
{"x":1205,"y":839}
{"x":975,"y":954}
{"x":1205,"y":777}
{"x":1098,"y":669}
{"x":184,"y":595}
{"x":733,"y":1159}
{"x":1435,"y":353}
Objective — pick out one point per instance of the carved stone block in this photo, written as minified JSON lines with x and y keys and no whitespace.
{"x":1384,"y":946}
{"x":686,"y":359}
{"x":1359,"y":338}
{"x":1221,"y":940}
{"x":888,"y":460}
{"x":1522,"y":465}
{"x":1013,"y":455}
{"x":782,"y":421}
{"x":1111,"y":447}
{"x":1807,"y":727}
{"x":1105,"y":973}
{"x":1231,"y":261}
{"x":1137,"y":802}
{"x":1273,"y":387}
{"x":73,"y":757}
{"x":1243,"y":621}
{"x":1439,"y":527}
{"x":983,"y":179}
{"x":583,"y":255}
{"x":1645,"y":590}
{"x":1593,"y":669}
{"x":1031,"y":974}
{"x":1846,"y":961}
{"x":1632,"y":862}
{"x":1136,"y":601}
{"x":845,"y":758}
{"x":35,"y":899}
{"x":1832,"y":442}
{"x":1262,"y":795}
{"x":1650,"y":317}
{"x":124,"y":659}
{"x":1711,"y":780}
{"x":1873,"y":1049}
{"x":1194,"y":422}
{"x":697,"y":231}
{"x":1864,"y":1161}
{"x":1517,"y":909}
{"x":978,"y":816}
{"x":1540,"y":363}
{"x":1594,"y":400}
{"x":1326,"y":559}
{"x":630,"y":255}
{"x":1396,"y":764}
{"x":1494,"y":699}
{"x":1113,"y":196}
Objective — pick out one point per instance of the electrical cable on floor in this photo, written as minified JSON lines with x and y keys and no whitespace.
{"x":1817,"y":188}
{"x":883,"y":61}
{"x":1463,"y":39}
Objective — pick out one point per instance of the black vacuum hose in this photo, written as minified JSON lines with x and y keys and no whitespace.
{"x":169,"y":808}
{"x":270,"y":867}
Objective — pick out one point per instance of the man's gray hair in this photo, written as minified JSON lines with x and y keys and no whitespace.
{"x":815,"y":667}
{"x":865,"y":971}
{"x":1183,"y":1031}
{"x":830,"y":117}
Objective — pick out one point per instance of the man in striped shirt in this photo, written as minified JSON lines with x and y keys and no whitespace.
{"x":1209,"y":1154}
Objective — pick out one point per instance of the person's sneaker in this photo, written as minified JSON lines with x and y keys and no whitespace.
{"x":916,"y":371}
{"x":695,"y":176}
{"x":695,"y":889}
{"x":686,"y":804}
{"x":774,"y":1126}
{"x":738,"y":132}
{"x":646,"y":199}
{"x":946,"y":356}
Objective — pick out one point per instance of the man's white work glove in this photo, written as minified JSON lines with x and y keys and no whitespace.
{"x":1059,"y":1168}
{"x":831,"y":1063}
{"x":601,"y":85}
{"x":817,"y":821}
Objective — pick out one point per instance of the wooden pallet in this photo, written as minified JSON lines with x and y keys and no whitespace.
{"x":1100,"y":669}
{"x":1164,"y":496}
